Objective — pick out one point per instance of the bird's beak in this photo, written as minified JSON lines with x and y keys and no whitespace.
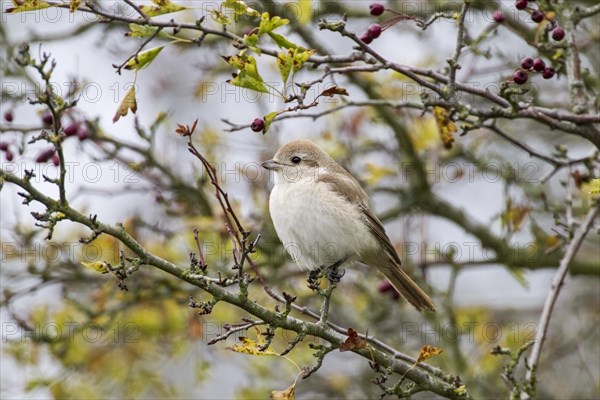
{"x":272,"y":165}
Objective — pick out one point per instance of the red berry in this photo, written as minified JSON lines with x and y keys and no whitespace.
{"x":537,"y":16}
{"x":376,"y":9}
{"x":366,"y":38}
{"x":83,"y":134}
{"x":548,"y":73}
{"x":386,"y":287}
{"x":47,"y":119}
{"x":72,"y":129}
{"x":55,"y":160}
{"x":498,"y":16}
{"x":374,"y":31}
{"x":521,"y":4}
{"x":519,"y":77}
{"x":3,"y":146}
{"x":527,"y":63}
{"x":558,"y":34}
{"x":44,"y":156}
{"x":8,"y":116}
{"x":539,"y":64}
{"x":9,"y":155}
{"x":258,"y":125}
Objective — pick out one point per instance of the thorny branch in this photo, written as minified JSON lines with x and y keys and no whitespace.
{"x":576,"y":122}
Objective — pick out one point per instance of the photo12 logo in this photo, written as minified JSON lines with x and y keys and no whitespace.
{"x":69,"y":331}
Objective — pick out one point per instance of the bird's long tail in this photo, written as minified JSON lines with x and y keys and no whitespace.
{"x":408,"y":289}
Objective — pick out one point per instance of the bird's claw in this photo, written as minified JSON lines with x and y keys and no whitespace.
{"x":313,"y":277}
{"x":334,"y":274}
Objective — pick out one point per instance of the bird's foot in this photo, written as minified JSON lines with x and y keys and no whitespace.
{"x":313,"y":277}
{"x":334,"y":273}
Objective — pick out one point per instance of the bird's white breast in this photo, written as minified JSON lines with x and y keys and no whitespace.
{"x":317,"y":226}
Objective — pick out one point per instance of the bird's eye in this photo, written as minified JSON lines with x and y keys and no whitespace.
{"x":296,"y":159}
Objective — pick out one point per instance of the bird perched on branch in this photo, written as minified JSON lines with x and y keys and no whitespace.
{"x":322,"y":216}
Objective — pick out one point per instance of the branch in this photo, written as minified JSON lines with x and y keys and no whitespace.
{"x":557,"y":283}
{"x":586,"y":12}
{"x":579,"y":99}
{"x":425,"y":379}
{"x":460,"y":43}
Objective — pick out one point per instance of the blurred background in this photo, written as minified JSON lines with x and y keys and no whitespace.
{"x":68,"y":331}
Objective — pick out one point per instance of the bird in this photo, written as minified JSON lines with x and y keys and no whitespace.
{"x":322,"y":216}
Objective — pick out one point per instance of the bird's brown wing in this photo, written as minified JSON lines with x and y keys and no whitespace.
{"x":345,"y":184}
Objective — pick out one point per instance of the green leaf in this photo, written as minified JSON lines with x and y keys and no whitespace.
{"x":284,"y":63}
{"x":140,"y":31}
{"x":269,"y":118}
{"x":292,"y":61}
{"x":248,"y":76}
{"x":248,"y":82}
{"x":240,"y":9}
{"x":143,"y":59}
{"x":251,"y":41}
{"x":300,"y":57}
{"x":237,"y":61}
{"x":283,"y":42}
{"x":98,"y":266}
{"x":220,"y":18}
{"x":268,"y":24}
{"x":28,"y":5}
{"x":162,"y":7}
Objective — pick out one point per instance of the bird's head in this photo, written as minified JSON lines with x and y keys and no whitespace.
{"x":299,"y":158}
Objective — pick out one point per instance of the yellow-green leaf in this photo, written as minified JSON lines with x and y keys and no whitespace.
{"x":143,"y":59}
{"x":28,"y":5}
{"x":98,"y":266}
{"x":251,"y":41}
{"x":284,"y":63}
{"x":247,"y":76}
{"x":268,"y":24}
{"x":306,"y":11}
{"x":161,"y":7}
{"x":461,"y":390}
{"x":300,"y":57}
{"x":269,"y":118}
{"x":594,"y":186}
{"x":446,"y":126}
{"x":240,"y":9}
{"x":287,"y":394}
{"x":220,"y":17}
{"x":140,"y":31}
{"x":283,"y":42}
{"x":74,"y":5}
{"x":292,"y":61}
{"x":128,"y":103}
{"x":249,"y":346}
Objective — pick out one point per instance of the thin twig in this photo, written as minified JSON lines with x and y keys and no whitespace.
{"x":523,"y":146}
{"x":137,"y":9}
{"x":557,"y":282}
{"x":202,"y":260}
{"x":460,"y":43}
